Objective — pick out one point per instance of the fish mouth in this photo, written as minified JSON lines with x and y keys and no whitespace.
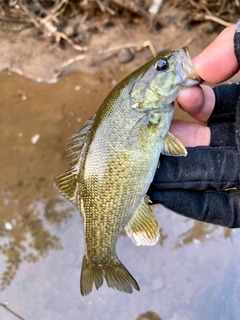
{"x":191,"y":77}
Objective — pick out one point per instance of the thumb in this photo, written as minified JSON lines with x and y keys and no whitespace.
{"x":218,"y":63}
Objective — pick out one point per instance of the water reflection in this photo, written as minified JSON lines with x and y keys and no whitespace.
{"x":199,"y":232}
{"x":26,"y":232}
{"x":163,"y":237}
{"x":149,"y":315}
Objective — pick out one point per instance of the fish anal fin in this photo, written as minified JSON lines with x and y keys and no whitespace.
{"x":143,"y":228}
{"x":116,"y":275}
{"x":173,"y":147}
{"x":66,"y":183}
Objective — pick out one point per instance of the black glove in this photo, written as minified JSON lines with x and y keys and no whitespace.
{"x":205,"y":184}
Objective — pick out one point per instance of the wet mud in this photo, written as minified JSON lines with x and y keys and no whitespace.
{"x":191,"y":274}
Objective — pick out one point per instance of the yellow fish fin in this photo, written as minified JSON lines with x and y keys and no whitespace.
{"x":66,"y":183}
{"x":173,"y":147}
{"x":143,"y":228}
{"x":116,"y":275}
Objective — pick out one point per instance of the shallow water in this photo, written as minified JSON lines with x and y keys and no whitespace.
{"x":191,"y":274}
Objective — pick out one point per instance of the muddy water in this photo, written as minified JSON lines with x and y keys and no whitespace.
{"x":191,"y":274}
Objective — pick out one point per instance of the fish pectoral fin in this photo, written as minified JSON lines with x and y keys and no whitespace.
{"x":173,"y":147}
{"x":143,"y":228}
{"x":66,"y":183}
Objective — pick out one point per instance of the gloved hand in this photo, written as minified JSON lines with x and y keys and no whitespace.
{"x":205,"y":184}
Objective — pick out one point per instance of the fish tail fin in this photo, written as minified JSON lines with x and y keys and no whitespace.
{"x":116,"y":275}
{"x":89,"y":275}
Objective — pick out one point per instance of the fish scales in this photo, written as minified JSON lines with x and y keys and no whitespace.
{"x":117,"y":194}
{"x":116,"y":155}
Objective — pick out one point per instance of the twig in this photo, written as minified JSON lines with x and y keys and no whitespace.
{"x":222,"y":6}
{"x":206,"y":9}
{"x":119,"y":47}
{"x":139,"y":46}
{"x":196,"y":5}
{"x":188,"y":41}
{"x":149,"y":44}
{"x":145,"y":44}
{"x":11,"y":311}
{"x":218,"y":20}
{"x":34,"y":20}
{"x":176,"y":8}
{"x":43,"y":23}
{"x":14,"y":20}
{"x":100,"y":52}
{"x":104,"y":7}
{"x":72,"y":60}
{"x":155,"y":7}
{"x":133,"y":7}
{"x":59,"y":34}
{"x":56,"y":11}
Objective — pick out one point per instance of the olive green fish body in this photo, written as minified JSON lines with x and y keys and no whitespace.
{"x":115,"y":156}
{"x":121,"y":159}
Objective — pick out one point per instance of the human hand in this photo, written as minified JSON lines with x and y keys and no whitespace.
{"x":217,"y":63}
{"x":195,"y":186}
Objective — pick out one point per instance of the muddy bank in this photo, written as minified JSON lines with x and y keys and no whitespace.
{"x":107,"y":42}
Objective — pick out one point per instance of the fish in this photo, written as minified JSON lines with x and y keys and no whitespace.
{"x":114,"y":158}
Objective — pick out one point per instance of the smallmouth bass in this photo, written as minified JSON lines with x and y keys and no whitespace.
{"x":114,"y":159}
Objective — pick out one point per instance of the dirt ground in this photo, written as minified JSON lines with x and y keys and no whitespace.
{"x":110,"y":43}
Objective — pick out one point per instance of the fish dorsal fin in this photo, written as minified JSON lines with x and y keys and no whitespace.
{"x":173,"y":147}
{"x":143,"y":228}
{"x":66,"y":183}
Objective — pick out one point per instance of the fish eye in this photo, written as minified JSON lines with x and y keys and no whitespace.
{"x":161,"y":65}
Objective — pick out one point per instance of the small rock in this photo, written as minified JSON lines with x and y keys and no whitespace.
{"x":77,"y":87}
{"x":69,"y":30}
{"x":125,"y":56}
{"x":107,"y":25}
{"x":8,"y":226}
{"x":35,"y":138}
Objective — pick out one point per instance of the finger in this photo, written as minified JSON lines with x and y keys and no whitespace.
{"x":221,"y":208}
{"x":197,"y":101}
{"x":191,"y":134}
{"x":218,"y":63}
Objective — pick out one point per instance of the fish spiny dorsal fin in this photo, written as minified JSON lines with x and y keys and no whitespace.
{"x":173,"y":147}
{"x":143,"y":228}
{"x":66,"y":183}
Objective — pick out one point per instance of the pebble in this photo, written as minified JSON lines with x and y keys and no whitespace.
{"x":69,"y":30}
{"x":125,"y":56}
{"x":35,"y":138}
{"x":77,"y":88}
{"x":8,"y":226}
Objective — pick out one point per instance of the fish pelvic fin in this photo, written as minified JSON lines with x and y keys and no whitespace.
{"x":66,"y":183}
{"x":143,"y":227}
{"x":173,"y":147}
{"x":115,"y":274}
